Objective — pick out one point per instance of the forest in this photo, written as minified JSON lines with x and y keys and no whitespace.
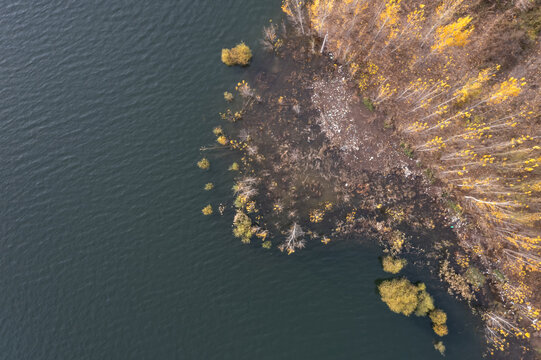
{"x":458,"y":81}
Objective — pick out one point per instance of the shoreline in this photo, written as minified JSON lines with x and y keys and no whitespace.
{"x":343,"y":129}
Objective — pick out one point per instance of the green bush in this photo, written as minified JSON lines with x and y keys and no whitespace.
{"x":369,"y":105}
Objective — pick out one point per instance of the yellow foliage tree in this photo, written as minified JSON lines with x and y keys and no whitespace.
{"x":389,"y":16}
{"x":507,"y":89}
{"x":454,"y":34}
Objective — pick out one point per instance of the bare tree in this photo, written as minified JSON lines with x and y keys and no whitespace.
{"x":293,"y":240}
{"x":269,"y":37}
{"x":246,"y":187}
{"x":295,"y":10}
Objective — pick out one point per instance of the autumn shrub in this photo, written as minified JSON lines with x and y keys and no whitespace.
{"x":203,"y":164}
{"x":207,"y":210}
{"x":228,"y":96}
{"x":242,"y":227}
{"x":209,"y":186}
{"x":425,"y":302}
{"x":440,"y":329}
{"x":393,"y":265}
{"x":403,"y":297}
{"x":440,"y":347}
{"x":222,"y":140}
{"x":438,"y":316}
{"x":239,"y":55}
{"x":439,"y":319}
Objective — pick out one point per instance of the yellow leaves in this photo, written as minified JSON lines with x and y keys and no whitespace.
{"x":353,"y":68}
{"x":473,"y":85}
{"x":393,"y":265}
{"x":418,"y":126}
{"x":217,"y":131}
{"x":454,"y":34}
{"x":222,"y":140}
{"x":251,"y":207}
{"x":385,"y":91}
{"x":389,"y":17}
{"x":318,"y":11}
{"x":316,"y":216}
{"x":372,"y":68}
{"x":239,"y":55}
{"x":203,"y":164}
{"x":390,"y":14}
{"x":350,"y":217}
{"x":507,"y":89}
{"x":414,"y":21}
{"x":286,"y":9}
{"x":436,"y":143}
{"x":207,"y":210}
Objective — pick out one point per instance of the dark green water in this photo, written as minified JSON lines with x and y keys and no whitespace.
{"x":103,"y":251}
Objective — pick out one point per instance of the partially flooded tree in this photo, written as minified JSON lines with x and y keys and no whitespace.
{"x":293,"y":240}
{"x":270,"y":39}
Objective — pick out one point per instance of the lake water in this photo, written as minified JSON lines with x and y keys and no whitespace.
{"x":104,"y":253}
